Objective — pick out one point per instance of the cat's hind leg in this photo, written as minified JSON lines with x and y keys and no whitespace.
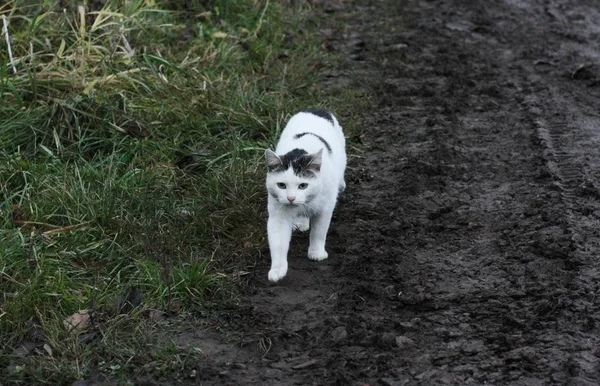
{"x":342,"y":186}
{"x":301,"y":223}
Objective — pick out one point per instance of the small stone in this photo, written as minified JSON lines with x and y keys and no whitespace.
{"x":455,"y":333}
{"x":522,"y":353}
{"x":339,"y":333}
{"x":403,"y":342}
{"x":387,"y":339}
{"x":473,"y":347}
{"x":426,"y":375}
{"x":454,"y":345}
{"x":238,"y":366}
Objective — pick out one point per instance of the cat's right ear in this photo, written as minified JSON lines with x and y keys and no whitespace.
{"x":273,"y":161}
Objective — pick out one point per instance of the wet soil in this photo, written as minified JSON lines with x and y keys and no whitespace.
{"x":466,"y":248}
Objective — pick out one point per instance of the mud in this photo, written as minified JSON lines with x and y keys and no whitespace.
{"x":465,"y":250}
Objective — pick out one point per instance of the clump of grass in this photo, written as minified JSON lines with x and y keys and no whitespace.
{"x":130,"y":143}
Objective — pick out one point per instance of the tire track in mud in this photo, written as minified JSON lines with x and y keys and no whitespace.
{"x":567,"y":120}
{"x":567,"y":348}
{"x":564,"y":113}
{"x":568,"y":124}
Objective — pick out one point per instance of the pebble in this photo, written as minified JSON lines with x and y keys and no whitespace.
{"x":526,"y":353}
{"x":473,"y":347}
{"x":403,"y":342}
{"x":407,"y":326}
{"x":388,"y":339}
{"x":338,"y":334}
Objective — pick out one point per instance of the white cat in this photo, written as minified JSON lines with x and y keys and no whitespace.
{"x":305,"y":175}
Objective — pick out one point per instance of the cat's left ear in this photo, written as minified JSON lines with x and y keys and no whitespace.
{"x":273,"y":161}
{"x":315,"y":162}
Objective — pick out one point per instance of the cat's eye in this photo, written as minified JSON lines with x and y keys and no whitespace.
{"x":281,"y":185}
{"x":303,"y":186}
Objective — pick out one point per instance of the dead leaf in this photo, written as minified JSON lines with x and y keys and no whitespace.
{"x":78,"y":322}
{"x":48,"y":349}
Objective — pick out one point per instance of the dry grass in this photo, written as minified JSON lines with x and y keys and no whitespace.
{"x":130,"y":174}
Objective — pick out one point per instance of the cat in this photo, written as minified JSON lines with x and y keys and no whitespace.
{"x":305,"y":175}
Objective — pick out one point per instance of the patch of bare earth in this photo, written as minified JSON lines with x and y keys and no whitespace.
{"x":465,"y":248}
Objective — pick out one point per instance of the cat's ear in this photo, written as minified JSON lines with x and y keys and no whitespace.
{"x":273,"y":161}
{"x":315,"y":162}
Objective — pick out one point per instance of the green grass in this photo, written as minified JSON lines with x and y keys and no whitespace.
{"x":131,"y":137}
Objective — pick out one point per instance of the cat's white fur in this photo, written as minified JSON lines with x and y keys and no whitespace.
{"x":312,"y":206}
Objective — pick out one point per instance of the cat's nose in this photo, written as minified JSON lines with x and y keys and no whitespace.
{"x":291,"y":199}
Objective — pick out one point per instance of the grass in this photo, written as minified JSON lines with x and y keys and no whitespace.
{"x":131,"y":179}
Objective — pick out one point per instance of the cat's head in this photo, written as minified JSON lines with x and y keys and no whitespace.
{"x":294,"y":178}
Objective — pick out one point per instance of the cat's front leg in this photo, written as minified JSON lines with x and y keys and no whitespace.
{"x":279,"y":229}
{"x":318,"y":235}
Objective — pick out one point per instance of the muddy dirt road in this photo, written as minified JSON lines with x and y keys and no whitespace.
{"x":465,"y":250}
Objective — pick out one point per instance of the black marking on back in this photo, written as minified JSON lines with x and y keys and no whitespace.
{"x":300,"y":135}
{"x":299,"y":160}
{"x":320,"y":113}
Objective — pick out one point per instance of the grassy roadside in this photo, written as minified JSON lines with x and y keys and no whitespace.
{"x":131,"y":183}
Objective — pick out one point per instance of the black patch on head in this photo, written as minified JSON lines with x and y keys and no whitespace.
{"x":320,"y":113}
{"x":299,"y":160}
{"x":300,"y":135}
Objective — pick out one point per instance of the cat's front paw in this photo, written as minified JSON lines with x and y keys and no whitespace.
{"x":317,"y":255}
{"x":277,"y":273}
